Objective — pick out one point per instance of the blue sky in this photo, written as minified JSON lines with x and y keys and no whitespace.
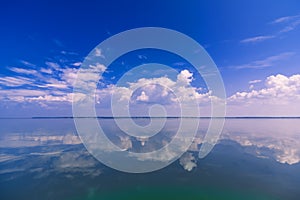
{"x":255,"y":45}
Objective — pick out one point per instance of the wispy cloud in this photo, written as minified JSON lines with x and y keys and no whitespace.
{"x":69,"y":53}
{"x":257,"y":39}
{"x":26,"y":63}
{"x":14,"y":81}
{"x":290,"y":23}
{"x":22,"y":70}
{"x":53,"y":65}
{"x":291,"y":26}
{"x":254,"y":81}
{"x":46,"y":70}
{"x":77,"y":64}
{"x":57,"y":85}
{"x":26,"y":92}
{"x":284,"y":19}
{"x":267,"y":62}
{"x":58,"y":43}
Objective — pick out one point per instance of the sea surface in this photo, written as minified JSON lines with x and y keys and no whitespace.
{"x":254,"y":158}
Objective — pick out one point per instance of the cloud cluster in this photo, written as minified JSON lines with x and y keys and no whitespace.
{"x":51,"y":87}
{"x":279,"y":89}
{"x":141,"y":94}
{"x":280,"y":97}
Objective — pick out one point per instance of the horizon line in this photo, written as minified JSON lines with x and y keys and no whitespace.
{"x":149,"y":117}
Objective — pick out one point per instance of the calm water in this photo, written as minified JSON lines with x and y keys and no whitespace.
{"x":254,"y":159}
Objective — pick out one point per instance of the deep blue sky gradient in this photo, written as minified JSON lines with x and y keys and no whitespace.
{"x":39,"y":31}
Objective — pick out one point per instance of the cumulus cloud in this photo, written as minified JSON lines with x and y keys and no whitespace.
{"x":280,"y":97}
{"x":161,"y":90}
{"x":55,"y":82}
{"x":142,"y":97}
{"x":277,"y":88}
{"x":185,"y":77}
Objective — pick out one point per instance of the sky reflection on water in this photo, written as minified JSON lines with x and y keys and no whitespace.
{"x":258,"y":156}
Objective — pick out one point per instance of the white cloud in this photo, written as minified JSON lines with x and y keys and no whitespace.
{"x":171,"y":94}
{"x":278,"y":90}
{"x":185,"y":77}
{"x":161,"y":90}
{"x":56,"y":85}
